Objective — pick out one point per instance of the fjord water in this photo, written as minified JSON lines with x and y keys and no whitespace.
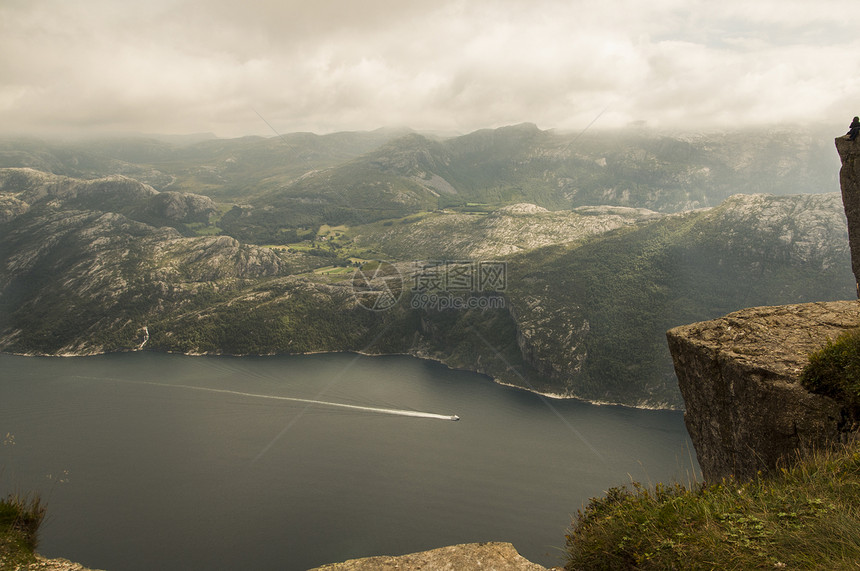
{"x":144,"y":471}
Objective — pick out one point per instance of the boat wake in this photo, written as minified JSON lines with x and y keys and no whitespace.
{"x":391,"y":411}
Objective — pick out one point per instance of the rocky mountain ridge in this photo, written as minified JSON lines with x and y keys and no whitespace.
{"x":114,"y":193}
{"x":301,"y":180}
{"x":521,"y":163}
{"x":76,"y":281}
{"x":749,"y":251}
{"x":508,"y":230}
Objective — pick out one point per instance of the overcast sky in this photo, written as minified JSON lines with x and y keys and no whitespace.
{"x":91,"y":66}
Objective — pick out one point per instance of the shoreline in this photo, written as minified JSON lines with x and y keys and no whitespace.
{"x":554,"y":396}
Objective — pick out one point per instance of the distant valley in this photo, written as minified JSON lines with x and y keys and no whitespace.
{"x":250,"y":246}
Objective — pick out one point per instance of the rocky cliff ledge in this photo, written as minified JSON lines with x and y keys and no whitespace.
{"x":494,"y":556}
{"x":745,"y":409}
{"x":43,"y":564}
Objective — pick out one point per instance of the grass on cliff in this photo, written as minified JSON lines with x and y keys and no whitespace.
{"x":20,"y":518}
{"x":834,"y":370}
{"x":806,"y":516}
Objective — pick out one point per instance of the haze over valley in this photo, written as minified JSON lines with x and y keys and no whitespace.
{"x":287,"y":283}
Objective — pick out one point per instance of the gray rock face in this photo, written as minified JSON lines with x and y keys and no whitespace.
{"x":108,"y":276}
{"x":745,"y":409}
{"x":35,"y":186}
{"x":10,"y":207}
{"x":494,"y":556}
{"x":849,"y":180}
{"x":182,"y":206}
{"x":43,"y":564}
{"x":516,"y":228}
{"x":803,"y":229}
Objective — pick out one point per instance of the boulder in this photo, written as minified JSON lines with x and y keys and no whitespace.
{"x":495,"y":556}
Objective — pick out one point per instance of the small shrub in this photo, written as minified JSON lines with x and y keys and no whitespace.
{"x":20,"y":518}
{"x":834,"y":370}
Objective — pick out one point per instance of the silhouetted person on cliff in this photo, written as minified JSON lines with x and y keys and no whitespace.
{"x":854,"y":129}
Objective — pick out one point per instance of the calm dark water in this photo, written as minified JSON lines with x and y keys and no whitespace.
{"x":143,"y":476}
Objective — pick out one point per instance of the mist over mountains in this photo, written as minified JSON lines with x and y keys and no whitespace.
{"x":248,"y":246}
{"x":303,"y":179}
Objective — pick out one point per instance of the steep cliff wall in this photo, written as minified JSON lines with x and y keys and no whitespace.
{"x":849,"y":181}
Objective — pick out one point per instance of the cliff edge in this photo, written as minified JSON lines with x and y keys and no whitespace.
{"x":739,"y":376}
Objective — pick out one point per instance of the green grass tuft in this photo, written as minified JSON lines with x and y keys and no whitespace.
{"x":20,"y":518}
{"x":806,"y":516}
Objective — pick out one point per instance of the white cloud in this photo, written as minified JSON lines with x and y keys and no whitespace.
{"x":453,"y":64}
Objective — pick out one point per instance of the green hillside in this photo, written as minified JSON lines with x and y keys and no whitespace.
{"x":108,"y":263}
{"x":603,"y":307}
{"x":587,"y":297}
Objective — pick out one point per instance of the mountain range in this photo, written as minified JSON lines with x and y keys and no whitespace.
{"x":251,"y":246}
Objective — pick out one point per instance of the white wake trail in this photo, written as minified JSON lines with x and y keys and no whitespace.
{"x":392,"y":411}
